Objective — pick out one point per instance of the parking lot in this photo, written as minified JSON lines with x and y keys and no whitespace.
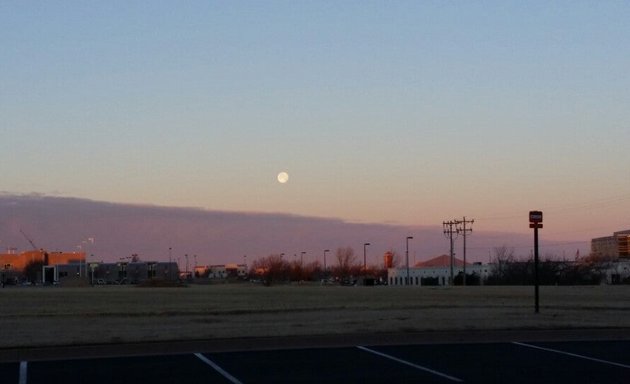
{"x":508,"y":362}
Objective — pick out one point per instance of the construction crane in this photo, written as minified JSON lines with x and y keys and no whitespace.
{"x":29,"y":240}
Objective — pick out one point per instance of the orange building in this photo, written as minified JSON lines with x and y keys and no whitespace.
{"x":388,"y":259}
{"x":17,"y":262}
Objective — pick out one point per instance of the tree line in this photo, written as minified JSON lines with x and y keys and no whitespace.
{"x":344,"y":267}
{"x":508,"y":269}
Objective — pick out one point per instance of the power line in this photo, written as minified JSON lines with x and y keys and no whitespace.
{"x":597,"y":203}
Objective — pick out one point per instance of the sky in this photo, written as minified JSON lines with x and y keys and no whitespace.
{"x":402,"y":112}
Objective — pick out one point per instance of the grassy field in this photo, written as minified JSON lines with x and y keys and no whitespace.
{"x":111,"y":314}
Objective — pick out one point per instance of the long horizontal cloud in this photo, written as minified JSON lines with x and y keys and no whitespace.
{"x":215,"y":237}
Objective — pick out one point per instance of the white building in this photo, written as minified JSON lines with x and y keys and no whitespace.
{"x":436,"y":271}
{"x":224,"y":271}
{"x":618,"y":272}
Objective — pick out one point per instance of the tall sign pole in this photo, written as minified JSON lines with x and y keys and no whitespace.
{"x":535,"y":222}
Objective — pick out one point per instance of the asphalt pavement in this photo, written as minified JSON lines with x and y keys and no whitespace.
{"x":605,"y":361}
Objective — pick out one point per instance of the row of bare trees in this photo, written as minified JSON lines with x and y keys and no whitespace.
{"x":346,"y":265}
{"x":508,"y":269}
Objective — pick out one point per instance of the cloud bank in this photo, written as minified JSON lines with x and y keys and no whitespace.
{"x":217,"y":237}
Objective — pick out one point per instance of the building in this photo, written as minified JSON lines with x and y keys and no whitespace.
{"x":616,"y":246}
{"x":201,"y":271}
{"x":436,"y":271}
{"x":13,"y":265}
{"x":618,"y":272}
{"x":226,"y":271}
{"x":110,"y":273}
{"x":19,"y":261}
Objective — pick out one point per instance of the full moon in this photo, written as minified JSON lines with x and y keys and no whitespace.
{"x":283,"y":177}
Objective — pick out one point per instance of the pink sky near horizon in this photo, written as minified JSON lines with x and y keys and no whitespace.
{"x":409,"y":113}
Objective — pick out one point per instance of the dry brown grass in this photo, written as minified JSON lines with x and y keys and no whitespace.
{"x":61,"y":316}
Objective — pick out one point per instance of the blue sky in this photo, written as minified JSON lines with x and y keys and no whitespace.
{"x":403,"y":112}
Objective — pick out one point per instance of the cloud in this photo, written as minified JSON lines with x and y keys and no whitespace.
{"x":215,"y":237}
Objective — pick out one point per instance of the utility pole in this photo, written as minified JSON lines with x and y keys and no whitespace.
{"x":463,"y":230}
{"x":450,"y":229}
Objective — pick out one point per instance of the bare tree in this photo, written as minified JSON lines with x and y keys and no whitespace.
{"x":503,"y":258}
{"x":503,"y":261}
{"x":312,"y":271}
{"x":271,"y":268}
{"x":346,"y":261}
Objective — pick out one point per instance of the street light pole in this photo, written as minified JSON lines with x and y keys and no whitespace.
{"x":85,"y":250}
{"x":302,"y":258}
{"x":80,"y":248}
{"x":407,"y":282}
{"x":170,"y":263}
{"x":193,"y":273}
{"x":92,"y":269}
{"x":325,"y":250}
{"x":364,"y":257}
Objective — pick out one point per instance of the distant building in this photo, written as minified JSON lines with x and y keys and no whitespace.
{"x":201,"y":271}
{"x":616,"y":246}
{"x":388,"y":259}
{"x":13,"y":264}
{"x":225,"y":271}
{"x":618,"y":272}
{"x":111,"y":273}
{"x":18,"y":261}
{"x":436,"y":271}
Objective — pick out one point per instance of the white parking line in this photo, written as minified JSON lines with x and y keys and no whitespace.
{"x":572,"y":355}
{"x":411,"y":364}
{"x":218,"y":369}
{"x":23,"y":370}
